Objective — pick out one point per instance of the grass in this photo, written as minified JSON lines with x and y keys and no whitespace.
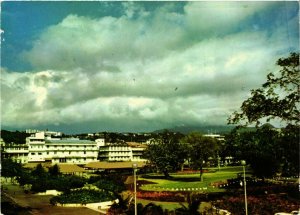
{"x":173,"y":205}
{"x":164,"y":205}
{"x":191,"y":182}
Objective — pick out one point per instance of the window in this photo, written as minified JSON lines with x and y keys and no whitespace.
{"x":32,"y":153}
{"x":40,"y":153}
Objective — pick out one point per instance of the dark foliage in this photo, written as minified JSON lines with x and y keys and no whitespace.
{"x":14,"y":136}
{"x":82,"y":196}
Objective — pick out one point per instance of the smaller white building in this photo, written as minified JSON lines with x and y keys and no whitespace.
{"x":215,"y":136}
{"x":15,"y":152}
{"x":121,"y":151}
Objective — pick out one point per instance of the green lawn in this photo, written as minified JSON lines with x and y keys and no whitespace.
{"x":173,"y":205}
{"x":164,"y":205}
{"x":191,"y":182}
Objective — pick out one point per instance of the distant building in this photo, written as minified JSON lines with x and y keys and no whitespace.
{"x":71,"y":151}
{"x":15,"y":152}
{"x":215,"y":136}
{"x":122,"y":151}
{"x":50,"y":147}
{"x":137,"y":151}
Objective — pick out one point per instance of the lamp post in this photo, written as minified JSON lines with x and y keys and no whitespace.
{"x":245,"y":190}
{"x":134,"y":166}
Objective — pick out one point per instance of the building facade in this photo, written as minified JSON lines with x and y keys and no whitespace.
{"x":121,"y":152}
{"x":42,"y":147}
{"x":15,"y":152}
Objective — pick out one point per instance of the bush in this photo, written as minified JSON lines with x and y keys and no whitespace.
{"x":82,"y":196}
{"x":111,"y":183}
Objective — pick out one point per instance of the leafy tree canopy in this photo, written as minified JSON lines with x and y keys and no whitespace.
{"x":166,"y":154}
{"x":14,"y":136}
{"x":200,"y":149}
{"x":277,"y":98}
{"x":11,"y":168}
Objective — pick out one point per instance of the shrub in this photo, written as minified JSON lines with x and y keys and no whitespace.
{"x":82,"y":196}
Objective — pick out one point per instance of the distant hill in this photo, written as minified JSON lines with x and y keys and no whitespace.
{"x":204,"y":129}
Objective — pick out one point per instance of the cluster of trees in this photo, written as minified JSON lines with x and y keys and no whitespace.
{"x":269,"y":150}
{"x":40,"y":179}
{"x":170,"y":152}
{"x":14,"y":136}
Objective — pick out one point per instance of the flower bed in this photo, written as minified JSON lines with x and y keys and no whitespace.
{"x":161,"y":196}
{"x":265,"y":204}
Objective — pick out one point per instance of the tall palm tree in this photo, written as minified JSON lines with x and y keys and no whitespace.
{"x":192,"y":208}
{"x":152,"y":209}
{"x":121,"y":207}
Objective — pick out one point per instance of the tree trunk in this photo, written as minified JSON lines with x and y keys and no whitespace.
{"x":166,"y":173}
{"x":201,"y":173}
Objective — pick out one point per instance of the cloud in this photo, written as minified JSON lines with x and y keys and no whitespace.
{"x":97,"y":44}
{"x":144,"y":69}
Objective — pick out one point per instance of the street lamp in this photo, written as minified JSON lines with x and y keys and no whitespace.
{"x":134,"y":166}
{"x":245,"y":190}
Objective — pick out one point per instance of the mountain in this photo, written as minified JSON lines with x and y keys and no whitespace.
{"x":204,"y":129}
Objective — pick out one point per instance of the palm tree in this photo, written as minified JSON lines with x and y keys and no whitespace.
{"x":152,"y":209}
{"x":192,"y":208}
{"x":120,"y":207}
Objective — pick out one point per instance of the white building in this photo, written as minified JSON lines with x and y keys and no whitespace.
{"x":36,"y":147}
{"x":56,"y":150}
{"x":215,"y":136}
{"x":15,"y":152}
{"x":121,"y":152}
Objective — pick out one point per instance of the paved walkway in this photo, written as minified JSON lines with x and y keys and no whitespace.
{"x":40,"y":205}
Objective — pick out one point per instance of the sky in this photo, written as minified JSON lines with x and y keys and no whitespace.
{"x":137,"y":66}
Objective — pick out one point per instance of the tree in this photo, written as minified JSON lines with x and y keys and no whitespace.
{"x":193,"y":205}
{"x":167,"y":154}
{"x":288,"y":149}
{"x":277,"y":98}
{"x":10,"y":168}
{"x":152,"y":209}
{"x":54,"y":171}
{"x":14,"y":136}
{"x":39,"y":171}
{"x":121,"y":206}
{"x":200,"y":149}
